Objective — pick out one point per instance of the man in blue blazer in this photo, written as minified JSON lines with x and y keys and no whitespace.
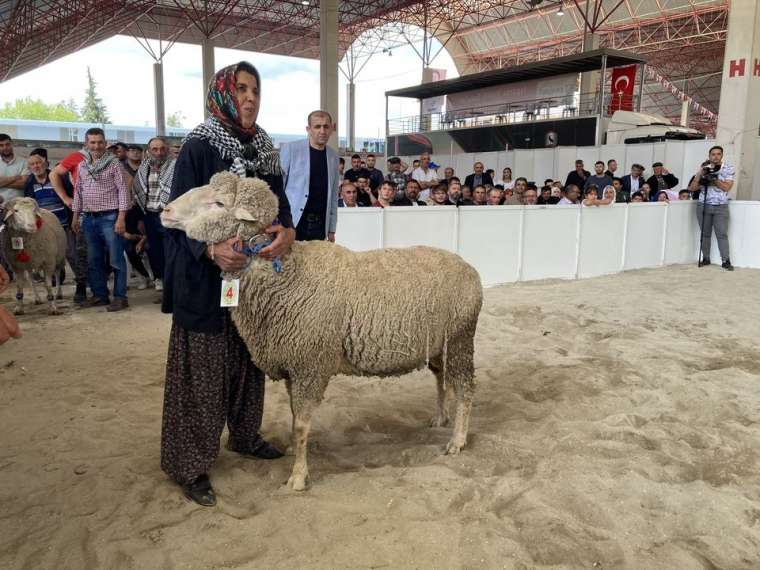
{"x":310,"y":176}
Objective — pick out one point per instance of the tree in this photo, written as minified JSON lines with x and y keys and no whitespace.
{"x":93,"y":110}
{"x":175,"y":119}
{"x":36,"y":109}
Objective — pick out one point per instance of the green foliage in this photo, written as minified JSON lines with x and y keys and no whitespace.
{"x":38,"y":110}
{"x":93,"y":110}
{"x":175,"y":119}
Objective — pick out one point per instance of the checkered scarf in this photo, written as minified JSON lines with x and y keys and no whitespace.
{"x":256,"y":156}
{"x":96,"y":165}
{"x":140,"y":182}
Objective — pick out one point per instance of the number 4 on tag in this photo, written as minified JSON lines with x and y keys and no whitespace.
{"x":230,"y":292}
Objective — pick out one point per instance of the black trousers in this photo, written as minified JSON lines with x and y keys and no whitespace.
{"x":311,"y":227}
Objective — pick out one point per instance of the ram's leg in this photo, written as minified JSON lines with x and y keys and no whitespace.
{"x":20,"y":278}
{"x":291,"y":449}
{"x":444,"y":389}
{"x":460,"y":365}
{"x":52,"y":308}
{"x":461,"y":419}
{"x":59,"y":283}
{"x":37,"y":298}
{"x":299,"y":478}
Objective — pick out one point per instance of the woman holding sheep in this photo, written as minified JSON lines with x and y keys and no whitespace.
{"x":210,"y":379}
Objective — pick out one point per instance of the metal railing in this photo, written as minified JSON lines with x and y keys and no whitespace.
{"x":509,"y":113}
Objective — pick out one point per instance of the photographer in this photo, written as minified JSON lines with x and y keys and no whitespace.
{"x":714,"y":180}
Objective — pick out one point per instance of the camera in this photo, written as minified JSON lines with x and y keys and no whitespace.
{"x":709,"y":173}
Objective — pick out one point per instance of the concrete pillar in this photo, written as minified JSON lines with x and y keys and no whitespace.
{"x":351,"y":115}
{"x":158,"y":93}
{"x":328,"y":61}
{"x":589,"y":79}
{"x":207,"y":57}
{"x":739,"y":113}
{"x":685,"y":113}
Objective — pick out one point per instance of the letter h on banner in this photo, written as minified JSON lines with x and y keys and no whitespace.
{"x":736,"y":67}
{"x":757,"y":68}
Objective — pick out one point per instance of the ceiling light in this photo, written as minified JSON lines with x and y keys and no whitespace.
{"x":560,"y":12}
{"x":305,"y":2}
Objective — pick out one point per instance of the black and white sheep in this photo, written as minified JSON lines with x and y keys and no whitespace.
{"x":34,"y":241}
{"x":298,"y":326}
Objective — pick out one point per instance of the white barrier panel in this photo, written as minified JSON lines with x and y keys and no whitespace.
{"x":681,"y":245}
{"x":523,"y":243}
{"x":602,"y":239}
{"x":645,"y":235}
{"x":743,"y":234}
{"x":489,"y":239}
{"x":550,"y":238}
{"x":433,"y":226}
{"x":360,"y":229}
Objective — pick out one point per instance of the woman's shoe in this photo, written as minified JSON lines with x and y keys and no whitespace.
{"x":200,"y":491}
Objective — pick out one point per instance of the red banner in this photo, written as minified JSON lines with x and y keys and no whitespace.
{"x":623,"y":80}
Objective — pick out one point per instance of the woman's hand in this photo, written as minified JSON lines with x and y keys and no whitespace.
{"x":284,"y":238}
{"x":225,"y":257}
{"x":5,"y":279}
{"x":8,"y":326}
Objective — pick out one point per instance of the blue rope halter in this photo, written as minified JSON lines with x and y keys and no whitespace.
{"x":254,"y":246}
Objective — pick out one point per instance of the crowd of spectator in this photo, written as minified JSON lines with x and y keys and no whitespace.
{"x":107,"y":199}
{"x":424,"y":183}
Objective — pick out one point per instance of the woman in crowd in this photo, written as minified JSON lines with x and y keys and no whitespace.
{"x":608,"y":196}
{"x":506,"y":178}
{"x":662,"y":196}
{"x":210,"y":378}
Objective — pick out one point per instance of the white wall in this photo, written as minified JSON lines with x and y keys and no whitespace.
{"x":680,"y":157}
{"x":522,"y":243}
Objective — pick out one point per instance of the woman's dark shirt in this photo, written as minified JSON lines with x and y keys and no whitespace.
{"x":192,"y":282}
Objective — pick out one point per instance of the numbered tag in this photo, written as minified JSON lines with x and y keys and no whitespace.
{"x":17,"y":243}
{"x":230,"y":292}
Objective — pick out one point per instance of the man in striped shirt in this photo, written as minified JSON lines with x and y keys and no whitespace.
{"x":101,"y":202}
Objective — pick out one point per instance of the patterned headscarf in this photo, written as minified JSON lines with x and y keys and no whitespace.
{"x":249,"y":149}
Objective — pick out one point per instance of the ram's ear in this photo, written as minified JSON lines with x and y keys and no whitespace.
{"x":8,"y":214}
{"x":243,"y":215}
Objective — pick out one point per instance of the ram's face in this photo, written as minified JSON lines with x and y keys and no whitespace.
{"x":205,"y":202}
{"x":228,"y":206}
{"x":22,"y":214}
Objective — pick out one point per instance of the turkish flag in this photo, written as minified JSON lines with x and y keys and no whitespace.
{"x":623,"y":79}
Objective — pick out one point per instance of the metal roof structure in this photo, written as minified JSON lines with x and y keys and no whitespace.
{"x":578,"y":63}
{"x":683,"y":39}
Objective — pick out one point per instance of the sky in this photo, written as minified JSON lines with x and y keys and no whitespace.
{"x":123,"y":72}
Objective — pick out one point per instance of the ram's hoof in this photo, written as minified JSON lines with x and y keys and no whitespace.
{"x":18,"y":311}
{"x":438,"y":421}
{"x":54,"y":311}
{"x":298,"y":482}
{"x":453,"y":447}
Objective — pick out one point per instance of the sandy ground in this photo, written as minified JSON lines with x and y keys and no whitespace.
{"x":616,"y":425}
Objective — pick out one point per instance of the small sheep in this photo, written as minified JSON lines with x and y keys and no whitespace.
{"x":34,"y":241}
{"x":333,"y":311}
